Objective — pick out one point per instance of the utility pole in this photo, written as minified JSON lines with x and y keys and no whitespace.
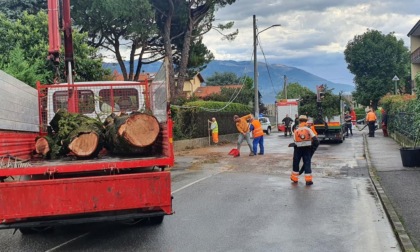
{"x":255,"y":38}
{"x":285,"y":87}
{"x":256,"y":102}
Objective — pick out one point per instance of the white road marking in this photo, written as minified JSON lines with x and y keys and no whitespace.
{"x":175,"y":191}
{"x":195,"y":182}
{"x":67,"y":242}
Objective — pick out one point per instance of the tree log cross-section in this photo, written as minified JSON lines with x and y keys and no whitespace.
{"x":131,"y":134}
{"x":71,"y":133}
{"x":85,"y":144}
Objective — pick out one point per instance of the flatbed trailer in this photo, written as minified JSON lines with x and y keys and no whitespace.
{"x":333,"y":131}
{"x":69,"y":192}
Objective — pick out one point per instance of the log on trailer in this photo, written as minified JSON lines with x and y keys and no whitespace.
{"x":44,"y":145}
{"x":131,"y":134}
{"x":71,"y":133}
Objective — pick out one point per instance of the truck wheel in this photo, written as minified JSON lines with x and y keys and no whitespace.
{"x":268,"y":130}
{"x":27,"y":231}
{"x":156,"y":220}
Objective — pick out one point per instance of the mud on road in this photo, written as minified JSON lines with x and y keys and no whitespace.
{"x":275,"y":161}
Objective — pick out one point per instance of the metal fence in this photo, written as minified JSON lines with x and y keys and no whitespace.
{"x":403,"y":123}
{"x":190,"y":124}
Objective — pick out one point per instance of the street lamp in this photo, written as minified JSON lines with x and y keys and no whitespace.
{"x":256,"y":102}
{"x":395,"y":80}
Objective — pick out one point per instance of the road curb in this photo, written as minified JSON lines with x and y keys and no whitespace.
{"x":401,"y":234}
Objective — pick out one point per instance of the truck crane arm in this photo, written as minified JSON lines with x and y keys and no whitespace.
{"x":57,"y":9}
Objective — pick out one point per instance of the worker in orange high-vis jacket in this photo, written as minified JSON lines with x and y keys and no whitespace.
{"x":371,"y":120}
{"x":258,"y":134}
{"x":244,"y":133}
{"x":303,"y":138}
{"x":353,"y":116}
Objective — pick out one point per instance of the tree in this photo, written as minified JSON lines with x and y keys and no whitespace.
{"x":22,"y":69}
{"x":26,"y":40}
{"x":177,"y":20}
{"x":330,"y":104}
{"x":199,"y":57}
{"x":225,"y":78}
{"x":374,"y":58}
{"x":308,"y":100}
{"x":14,"y":9}
{"x":119,"y":26}
{"x":243,"y":95}
{"x":294,"y":91}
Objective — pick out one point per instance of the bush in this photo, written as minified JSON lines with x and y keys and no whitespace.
{"x":215,"y":106}
{"x":395,"y":103}
{"x":404,"y":115}
{"x":360,"y":113}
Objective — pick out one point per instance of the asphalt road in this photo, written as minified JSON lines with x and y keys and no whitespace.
{"x":247,"y":203}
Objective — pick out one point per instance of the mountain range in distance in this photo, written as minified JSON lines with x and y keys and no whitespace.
{"x":271,"y":76}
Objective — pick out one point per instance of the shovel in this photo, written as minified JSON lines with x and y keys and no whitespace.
{"x":363,"y":127}
{"x":313,"y":149}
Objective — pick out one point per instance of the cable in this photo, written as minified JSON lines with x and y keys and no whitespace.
{"x":230,"y":101}
{"x":266,"y":65}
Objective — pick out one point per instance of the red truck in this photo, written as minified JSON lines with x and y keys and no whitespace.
{"x":286,"y":107}
{"x":37,"y":193}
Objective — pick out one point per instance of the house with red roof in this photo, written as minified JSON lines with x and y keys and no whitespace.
{"x":203,"y":92}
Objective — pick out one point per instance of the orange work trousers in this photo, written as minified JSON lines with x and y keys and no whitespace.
{"x":215,"y":136}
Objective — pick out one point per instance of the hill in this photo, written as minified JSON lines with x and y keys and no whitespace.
{"x":271,"y":76}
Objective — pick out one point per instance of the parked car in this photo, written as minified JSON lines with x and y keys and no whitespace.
{"x":266,"y":125}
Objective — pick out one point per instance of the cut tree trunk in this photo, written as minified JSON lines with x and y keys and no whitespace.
{"x":42,"y":145}
{"x":131,"y":134}
{"x":72,"y":133}
{"x":85,"y":144}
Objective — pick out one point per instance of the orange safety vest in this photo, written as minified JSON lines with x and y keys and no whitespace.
{"x":303,"y":137}
{"x":371,"y":117}
{"x":314,"y":130}
{"x":258,"y":130}
{"x":353,"y":115}
{"x":311,"y":126}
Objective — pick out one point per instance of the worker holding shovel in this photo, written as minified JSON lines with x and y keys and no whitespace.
{"x":244,"y":134}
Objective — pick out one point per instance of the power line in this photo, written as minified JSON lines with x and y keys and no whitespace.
{"x":233,"y":97}
{"x":266,"y":65}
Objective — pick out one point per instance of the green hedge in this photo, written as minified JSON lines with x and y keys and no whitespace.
{"x":191,"y":119}
{"x":403,"y":115}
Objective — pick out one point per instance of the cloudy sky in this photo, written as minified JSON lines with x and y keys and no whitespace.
{"x":313,"y":33}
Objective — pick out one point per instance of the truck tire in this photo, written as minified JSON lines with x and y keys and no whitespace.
{"x":156,"y":220}
{"x":27,"y":231}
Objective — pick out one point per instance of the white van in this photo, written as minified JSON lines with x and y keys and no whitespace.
{"x":266,"y":124}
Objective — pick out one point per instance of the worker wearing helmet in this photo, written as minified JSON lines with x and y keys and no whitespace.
{"x":304,"y":142}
